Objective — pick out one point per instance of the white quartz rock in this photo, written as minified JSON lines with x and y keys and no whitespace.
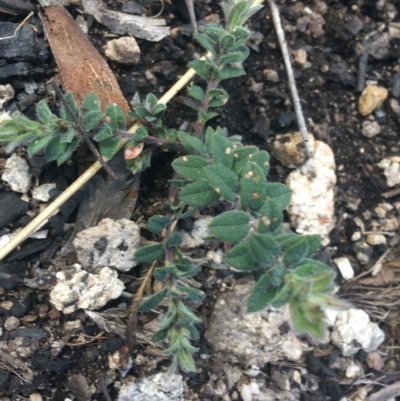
{"x":199,"y":233}
{"x":17,"y":174}
{"x":344,"y":266}
{"x":124,"y":50}
{"x":353,"y":330}
{"x":251,"y":338}
{"x":391,"y":170}
{"x":311,"y":208}
{"x":111,"y":243}
{"x":6,"y":94}
{"x":78,"y":289}
{"x":42,"y":193}
{"x":159,"y":387}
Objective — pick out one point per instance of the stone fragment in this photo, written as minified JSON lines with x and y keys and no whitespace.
{"x":42,"y":193}
{"x":300,"y":56}
{"x":344,"y":266}
{"x":111,"y":243}
{"x":271,"y":75}
{"x":391,"y":170}
{"x":376,"y":239}
{"x":78,"y":289}
{"x":371,"y":97}
{"x":159,"y":387}
{"x":375,"y":361}
{"x":363,"y":252}
{"x":354,"y":331}
{"x":17,"y":174}
{"x":290,"y":149}
{"x":370,"y":128}
{"x":316,"y":25}
{"x":354,"y":25}
{"x":311,"y":208}
{"x":378,"y":47}
{"x":11,"y":206}
{"x":6,"y":94}
{"x":11,"y":323}
{"x":199,"y":233}
{"x":124,"y":50}
{"x":251,"y":338}
{"x":396,"y":85}
{"x":353,"y":371}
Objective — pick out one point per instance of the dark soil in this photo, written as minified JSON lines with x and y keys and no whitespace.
{"x":329,"y":99}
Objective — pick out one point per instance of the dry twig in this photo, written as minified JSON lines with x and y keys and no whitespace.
{"x":387,"y":393}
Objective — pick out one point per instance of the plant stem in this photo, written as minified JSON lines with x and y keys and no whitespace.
{"x":83,"y":132}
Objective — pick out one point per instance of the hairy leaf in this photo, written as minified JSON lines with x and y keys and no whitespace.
{"x":193,"y":294}
{"x":192,"y":144}
{"x":235,"y":57}
{"x":162,"y":272}
{"x":231,"y":72}
{"x":43,"y":112}
{"x":191,"y":167}
{"x":253,"y":186}
{"x":68,"y":135}
{"x":241,"y":258}
{"x":160,"y":335}
{"x":54,"y":149}
{"x":282,"y":297}
{"x":108,"y":147}
{"x":280,"y":194}
{"x":116,"y":117}
{"x":223,"y":180}
{"x":69,"y":149}
{"x":63,"y":111}
{"x":149,"y":253}
{"x":151,"y":302}
{"x":261,"y":294}
{"x":261,"y":158}
{"x":103,"y":133}
{"x":230,"y":226}
{"x":9,"y":129}
{"x":157,"y":223}
{"x":174,"y":240}
{"x":271,"y":216}
{"x":91,"y":119}
{"x":263,"y":248}
{"x":201,"y":67}
{"x":198,"y":193}
{"x":197,"y":93}
{"x":38,"y":144}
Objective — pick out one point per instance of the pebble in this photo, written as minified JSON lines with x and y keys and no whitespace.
{"x":372,"y":97}
{"x":42,"y":193}
{"x":354,"y":25}
{"x":6,"y":94}
{"x":391,"y":170}
{"x":379,"y":45}
{"x":376,"y":239}
{"x":370,"y":128}
{"x":300,"y":56}
{"x":395,"y":106}
{"x":17,"y":174}
{"x":289,"y":149}
{"x":124,"y":50}
{"x":11,"y":323}
{"x":271,"y":75}
{"x":353,"y":371}
{"x":35,"y":397}
{"x":396,"y":85}
{"x":344,"y":266}
{"x":363,"y":252}
{"x":375,"y":361}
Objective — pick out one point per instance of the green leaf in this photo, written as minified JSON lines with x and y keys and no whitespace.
{"x":201,"y":68}
{"x":192,"y":144}
{"x":205,"y":42}
{"x":261,"y":158}
{"x":241,"y":34}
{"x":241,"y":156}
{"x":282,"y":297}
{"x":214,"y":31}
{"x":151,"y":302}
{"x":241,"y":258}
{"x":193,"y":294}
{"x":116,"y":117}
{"x":68,"y":135}
{"x":151,"y":102}
{"x":185,"y":360}
{"x":296,"y":252}
{"x":38,"y":144}
{"x":157,"y":223}
{"x":271,"y":217}
{"x":193,"y":333}
{"x":263,"y":248}
{"x":162,"y":272}
{"x":54,"y":149}
{"x":226,"y":42}
{"x":204,"y":117}
{"x":44,"y":113}
{"x":179,"y":183}
{"x":63,"y":111}
{"x":198,"y":193}
{"x":231,"y":72}
{"x":91,"y":119}
{"x":174,"y":240}
{"x":24,"y":121}
{"x":218,"y":97}
{"x":219,"y":147}
{"x":91,"y":103}
{"x":108,"y":147}
{"x":308,"y":268}
{"x":235,"y":57}
{"x":197,"y":93}
{"x":69,"y":149}
{"x":22,"y":139}
{"x":253,"y":187}
{"x":191,"y":167}
{"x":160,"y":335}
{"x":149,"y":253}
{"x":103,"y":133}
{"x":230,"y":226}
{"x":280,"y":194}
{"x":224,"y":181}
{"x":261,"y":294}
{"x":278,"y":273}
{"x":9,"y":129}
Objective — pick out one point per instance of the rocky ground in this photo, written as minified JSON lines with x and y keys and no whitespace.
{"x":347,"y":68}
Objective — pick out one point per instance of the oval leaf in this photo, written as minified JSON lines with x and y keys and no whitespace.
{"x":261,"y":294}
{"x":191,"y":167}
{"x":223,"y":180}
{"x":149,"y":253}
{"x":240,"y":257}
{"x":264,"y":248}
{"x":230,"y":226}
{"x":153,"y":301}
{"x":198,"y":193}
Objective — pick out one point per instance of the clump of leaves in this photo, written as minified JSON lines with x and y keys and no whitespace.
{"x":59,"y":136}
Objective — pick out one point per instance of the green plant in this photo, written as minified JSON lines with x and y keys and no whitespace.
{"x":215,"y":168}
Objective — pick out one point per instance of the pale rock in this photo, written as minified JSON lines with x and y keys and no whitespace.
{"x":395,"y":106}
{"x":311,"y":208}
{"x":371,"y":97}
{"x":245,"y":392}
{"x":370,"y":129}
{"x":111,"y":243}
{"x":199,"y":233}
{"x":391,"y":170}
{"x":344,"y":266}
{"x":159,"y":387}
{"x":290,"y":149}
{"x":356,"y":236}
{"x":42,"y":193}
{"x":376,"y":239}
{"x":124,"y":50}
{"x":354,"y":331}
{"x":6,"y":94}
{"x":4,"y":116}
{"x":316,"y":25}
{"x":353,"y":371}
{"x":375,"y":361}
{"x":300,"y":56}
{"x":35,"y":397}
{"x":251,"y":338}
{"x":78,"y":289}
{"x":271,"y":75}
{"x":378,"y":47}
{"x":17,"y":174}
{"x":330,"y":316}
{"x":11,"y":323}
